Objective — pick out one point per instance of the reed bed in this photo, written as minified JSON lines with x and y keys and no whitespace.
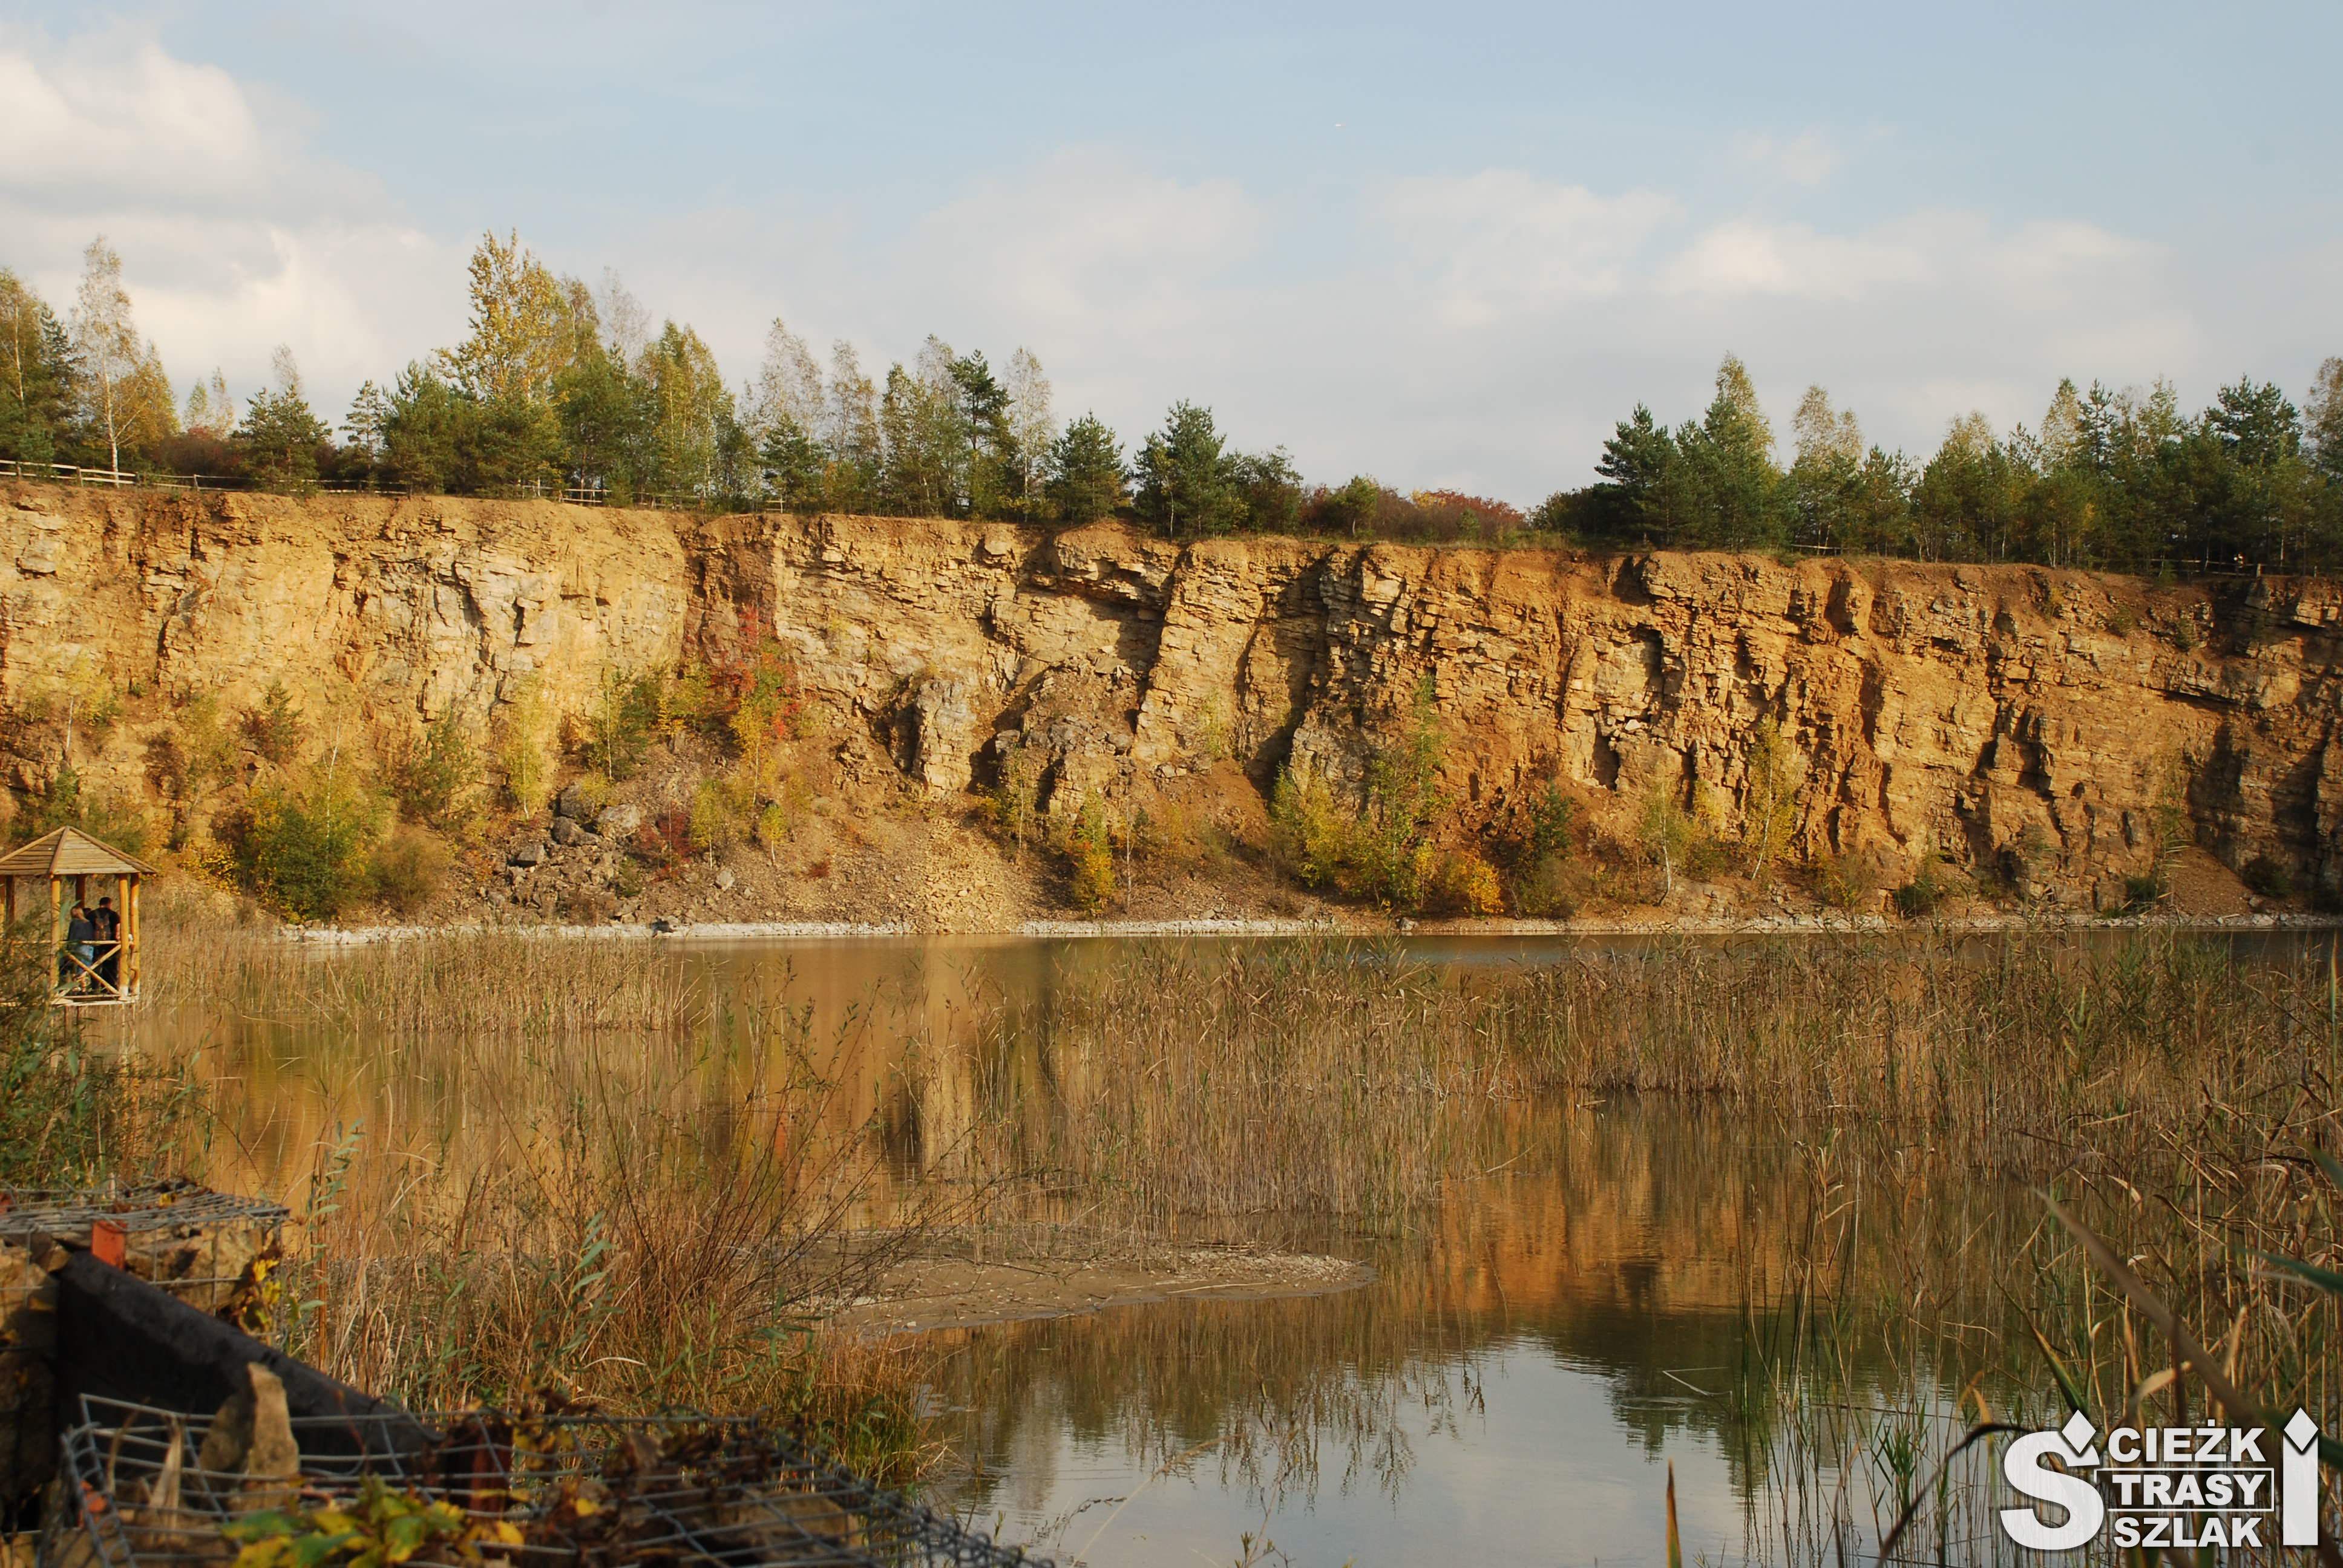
{"x":655,"y":1182}
{"x":639,"y":1244}
{"x":436,"y":984}
{"x":1325,"y":1075}
{"x":2175,"y":1091}
{"x":521,"y":1164}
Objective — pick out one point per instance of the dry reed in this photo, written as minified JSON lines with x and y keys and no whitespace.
{"x":653,"y":1215}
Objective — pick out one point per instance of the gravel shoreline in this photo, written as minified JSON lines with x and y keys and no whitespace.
{"x":1784,"y":924}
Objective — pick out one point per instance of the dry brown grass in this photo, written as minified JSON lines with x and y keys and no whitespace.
{"x":440,"y":984}
{"x":2172,"y":1088}
{"x":662,"y":1173}
{"x":638,"y":1247}
{"x":573,"y":1164}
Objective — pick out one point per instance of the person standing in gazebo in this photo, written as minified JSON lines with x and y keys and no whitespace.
{"x":81,"y":950}
{"x":108,"y":921}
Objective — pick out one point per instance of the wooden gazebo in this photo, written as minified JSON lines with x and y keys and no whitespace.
{"x":102,"y":969}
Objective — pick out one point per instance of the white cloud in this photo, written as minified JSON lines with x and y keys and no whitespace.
{"x":233,"y":240}
{"x":1808,"y":158}
{"x":111,"y":111}
{"x":1502,"y":241}
{"x":1086,"y":241}
{"x":1740,"y":258}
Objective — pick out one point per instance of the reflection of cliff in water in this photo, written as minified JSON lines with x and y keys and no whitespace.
{"x":1647,"y":1247}
{"x":1636,"y":1264}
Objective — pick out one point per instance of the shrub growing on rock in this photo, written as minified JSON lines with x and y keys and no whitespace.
{"x":1090,"y":856}
{"x":1469,"y":886}
{"x":524,"y":748}
{"x":2268,"y":876}
{"x":1309,"y":833}
{"x":625,"y":717}
{"x":1923,"y":894}
{"x":433,"y":777}
{"x":275,"y":727}
{"x":408,"y":871}
{"x":306,"y":846}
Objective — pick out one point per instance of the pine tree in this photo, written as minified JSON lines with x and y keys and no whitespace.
{"x":1184,"y":485}
{"x":1087,"y":481}
{"x":36,"y":375}
{"x":279,"y":436}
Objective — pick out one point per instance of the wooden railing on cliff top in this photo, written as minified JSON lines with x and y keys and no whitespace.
{"x":596,"y":496}
{"x":128,"y":478}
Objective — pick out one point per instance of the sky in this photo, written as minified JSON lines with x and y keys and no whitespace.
{"x":1448,"y":245}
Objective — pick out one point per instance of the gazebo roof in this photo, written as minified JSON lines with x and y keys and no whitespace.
{"x":69,"y":852}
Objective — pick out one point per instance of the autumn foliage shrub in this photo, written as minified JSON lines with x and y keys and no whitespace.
{"x":1469,"y":885}
{"x":306,"y":846}
{"x":1090,"y":856}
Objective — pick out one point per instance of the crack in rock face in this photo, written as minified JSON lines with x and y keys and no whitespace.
{"x":2057,"y":728}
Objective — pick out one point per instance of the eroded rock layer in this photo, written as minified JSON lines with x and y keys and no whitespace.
{"x":2057,"y":723}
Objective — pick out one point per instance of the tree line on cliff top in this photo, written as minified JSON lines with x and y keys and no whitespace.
{"x":559,"y":386}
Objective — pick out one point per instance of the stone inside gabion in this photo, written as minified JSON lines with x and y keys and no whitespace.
{"x":217,"y":1254}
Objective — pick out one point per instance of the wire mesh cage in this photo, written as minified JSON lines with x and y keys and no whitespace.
{"x":145,"y":1489}
{"x":214,"y":1251}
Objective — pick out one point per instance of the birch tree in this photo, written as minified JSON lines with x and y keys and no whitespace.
{"x":1824,"y":436}
{"x":105,"y":340}
{"x":851,"y":429}
{"x":789,"y":385}
{"x":2323,"y":418}
{"x":519,"y":340}
{"x":210,"y":410}
{"x":20,"y":337}
{"x":1031,"y":430}
{"x":37,"y":376}
{"x":626,"y":324}
{"x":693,"y":410}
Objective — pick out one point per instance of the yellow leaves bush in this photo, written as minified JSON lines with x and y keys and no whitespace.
{"x":382,"y":1525}
{"x":1090,"y":856}
{"x":524,"y":749}
{"x":1309,"y":832}
{"x":1469,"y":885}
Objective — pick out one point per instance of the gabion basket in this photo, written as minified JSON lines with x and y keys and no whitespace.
{"x":214,"y":1251}
{"x":144,"y":1488}
{"x":217,"y":1253}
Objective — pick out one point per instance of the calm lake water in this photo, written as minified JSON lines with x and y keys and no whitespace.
{"x":1513,"y":1387}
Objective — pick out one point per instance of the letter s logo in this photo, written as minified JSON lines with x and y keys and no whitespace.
{"x":2024,"y":1468}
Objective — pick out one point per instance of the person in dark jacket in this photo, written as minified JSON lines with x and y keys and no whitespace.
{"x":108,"y":921}
{"x":81,"y":943}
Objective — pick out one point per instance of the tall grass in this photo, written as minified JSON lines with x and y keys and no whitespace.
{"x":1324,"y":1074}
{"x":640,"y":1244}
{"x":652,"y":1185}
{"x":570,"y":1165}
{"x":438,"y":985}
{"x":2173,"y":1090}
{"x":70,"y":1114}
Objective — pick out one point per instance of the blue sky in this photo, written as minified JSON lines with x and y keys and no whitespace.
{"x":1441,"y":245}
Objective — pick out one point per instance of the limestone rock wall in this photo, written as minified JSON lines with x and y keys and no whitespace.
{"x":2056,"y":720}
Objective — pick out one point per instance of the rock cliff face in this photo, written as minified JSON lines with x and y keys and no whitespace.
{"x":2053,"y":724}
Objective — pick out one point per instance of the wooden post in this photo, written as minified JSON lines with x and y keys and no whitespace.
{"x":56,"y":937}
{"x":130,"y":936}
